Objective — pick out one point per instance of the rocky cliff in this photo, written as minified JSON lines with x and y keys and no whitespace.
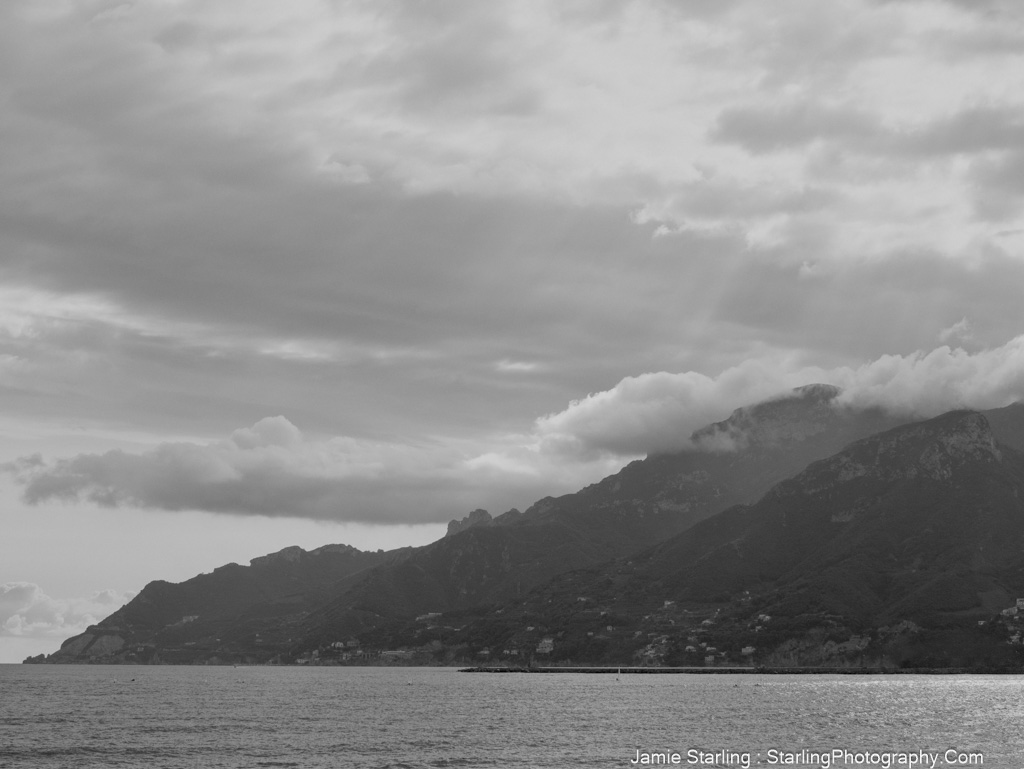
{"x":476,"y":518}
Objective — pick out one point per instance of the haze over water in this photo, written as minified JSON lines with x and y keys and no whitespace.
{"x":223,"y":717}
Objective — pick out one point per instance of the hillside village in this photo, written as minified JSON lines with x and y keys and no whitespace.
{"x":673,"y":636}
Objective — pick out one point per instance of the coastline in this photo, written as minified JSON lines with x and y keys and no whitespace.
{"x":748,"y":670}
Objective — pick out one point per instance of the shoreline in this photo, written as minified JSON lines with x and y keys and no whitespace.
{"x":747,"y":670}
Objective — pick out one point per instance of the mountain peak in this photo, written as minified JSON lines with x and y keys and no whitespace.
{"x":793,"y":416}
{"x":818,"y":391}
{"x":289,"y":554}
{"x":295,"y":554}
{"x":478,"y":517}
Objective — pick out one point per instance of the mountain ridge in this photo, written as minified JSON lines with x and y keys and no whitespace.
{"x":932,"y":542}
{"x":485,"y":562}
{"x":645,"y":502}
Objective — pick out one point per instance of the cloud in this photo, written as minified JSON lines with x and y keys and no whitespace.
{"x":999,"y":187}
{"x":224,"y":105}
{"x":792,"y":126}
{"x":360,"y":172}
{"x":272,"y":431}
{"x":456,"y":58}
{"x":987,"y":6}
{"x":271,"y":469}
{"x":27,"y":612}
{"x":971,"y":130}
{"x":928,"y":383}
{"x":659,"y":412}
{"x":383,"y":219}
{"x":516,"y":366}
{"x":960,"y":332}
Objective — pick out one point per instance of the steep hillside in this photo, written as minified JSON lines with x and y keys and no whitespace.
{"x":732,"y":462}
{"x":482,"y":562}
{"x":896,"y":547}
{"x":236,"y":613}
{"x":1008,"y":425}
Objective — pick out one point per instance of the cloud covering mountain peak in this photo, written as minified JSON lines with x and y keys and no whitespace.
{"x":272,"y":469}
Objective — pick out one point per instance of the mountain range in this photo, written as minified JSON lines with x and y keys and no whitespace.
{"x":797,"y":531}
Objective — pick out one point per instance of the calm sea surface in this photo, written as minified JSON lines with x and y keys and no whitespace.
{"x":76,"y":716}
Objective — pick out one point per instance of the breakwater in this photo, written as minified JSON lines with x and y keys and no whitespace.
{"x":741,"y":670}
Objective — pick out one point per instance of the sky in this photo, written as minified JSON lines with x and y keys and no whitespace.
{"x":342,"y":271}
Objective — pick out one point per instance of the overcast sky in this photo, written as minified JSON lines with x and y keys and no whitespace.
{"x":340,"y":271}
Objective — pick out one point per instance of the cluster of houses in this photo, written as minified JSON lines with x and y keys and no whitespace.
{"x":546,"y":645}
{"x":352,"y":651}
{"x":1015,"y":612}
{"x":1015,"y":609}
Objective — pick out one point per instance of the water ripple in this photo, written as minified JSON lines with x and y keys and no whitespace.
{"x":221,"y":718}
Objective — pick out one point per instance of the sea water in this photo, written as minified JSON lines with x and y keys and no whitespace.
{"x":209,"y":717}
